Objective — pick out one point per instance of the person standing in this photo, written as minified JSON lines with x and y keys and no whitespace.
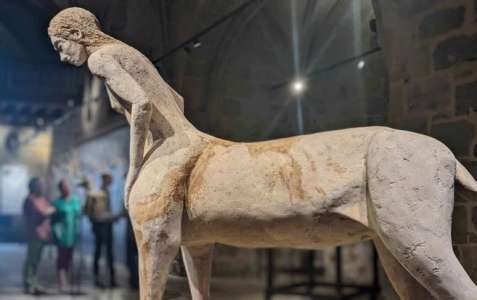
{"x":65,"y":225}
{"x":36,"y":212}
{"x":98,"y":209}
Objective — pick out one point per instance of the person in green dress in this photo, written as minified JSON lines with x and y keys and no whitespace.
{"x":65,"y":228}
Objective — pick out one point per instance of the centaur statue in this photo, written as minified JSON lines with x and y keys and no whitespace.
{"x":191,"y":190}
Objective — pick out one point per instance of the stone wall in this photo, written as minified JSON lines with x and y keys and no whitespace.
{"x":431,"y":51}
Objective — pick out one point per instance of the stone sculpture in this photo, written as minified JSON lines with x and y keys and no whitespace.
{"x":193,"y":190}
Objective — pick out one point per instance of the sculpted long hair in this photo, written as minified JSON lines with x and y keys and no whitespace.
{"x":72,"y":20}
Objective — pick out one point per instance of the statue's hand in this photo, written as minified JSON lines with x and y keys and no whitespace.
{"x":126,"y":196}
{"x":128,"y":186}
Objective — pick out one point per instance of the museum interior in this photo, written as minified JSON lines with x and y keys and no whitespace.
{"x":247,"y":71}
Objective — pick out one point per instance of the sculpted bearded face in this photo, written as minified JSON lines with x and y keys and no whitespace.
{"x":70,"y":51}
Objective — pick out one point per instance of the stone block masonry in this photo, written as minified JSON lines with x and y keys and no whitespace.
{"x":437,"y":98}
{"x":454,"y":51}
{"x":441,"y":21}
{"x":466,"y":98}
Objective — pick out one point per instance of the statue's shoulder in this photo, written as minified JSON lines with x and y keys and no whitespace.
{"x":98,"y":60}
{"x":106,"y":56}
{"x":105,"y":53}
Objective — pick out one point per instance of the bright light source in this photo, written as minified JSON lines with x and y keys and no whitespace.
{"x":196,"y":44}
{"x":361,"y":64}
{"x":298,"y":86}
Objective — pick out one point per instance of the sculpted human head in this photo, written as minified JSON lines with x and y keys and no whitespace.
{"x":74,"y":33}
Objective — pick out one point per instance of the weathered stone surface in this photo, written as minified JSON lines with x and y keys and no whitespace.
{"x":463,"y":72}
{"x":191,"y":86}
{"x":429,"y":94}
{"x":419,"y":63}
{"x":377,"y":106}
{"x":456,"y":135}
{"x":466,"y":98}
{"x":472,"y":238}
{"x":417,"y":124}
{"x":470,"y":165}
{"x":443,"y":115}
{"x":469,"y":260}
{"x":460,"y":195}
{"x":453,"y":51}
{"x":396,"y":106}
{"x":474,"y":217}
{"x":441,"y":21}
{"x":475,"y":9}
{"x":464,"y":196}
{"x":412,"y":7}
{"x":457,"y":252}
{"x":232,"y":107}
{"x":459,"y":225}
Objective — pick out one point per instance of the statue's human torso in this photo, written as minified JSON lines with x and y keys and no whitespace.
{"x":154,"y":88}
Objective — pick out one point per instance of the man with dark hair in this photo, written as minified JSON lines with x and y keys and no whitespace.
{"x":98,"y":209}
{"x":36,"y":211}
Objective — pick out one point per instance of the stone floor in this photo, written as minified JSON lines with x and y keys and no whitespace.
{"x":10,"y":284}
{"x":177,"y":290}
{"x":11,"y":261}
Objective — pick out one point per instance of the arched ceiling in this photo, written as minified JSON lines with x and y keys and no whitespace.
{"x":231,"y":77}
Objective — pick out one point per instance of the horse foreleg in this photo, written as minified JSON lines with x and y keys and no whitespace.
{"x":158,"y":243}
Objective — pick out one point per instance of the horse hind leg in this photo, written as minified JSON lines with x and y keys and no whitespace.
{"x":406,"y":286}
{"x":410,"y":181}
{"x":198,"y":263}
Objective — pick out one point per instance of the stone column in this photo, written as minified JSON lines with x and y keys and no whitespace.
{"x":431,"y":52}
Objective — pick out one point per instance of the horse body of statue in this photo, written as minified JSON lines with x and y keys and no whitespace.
{"x":317,"y":181}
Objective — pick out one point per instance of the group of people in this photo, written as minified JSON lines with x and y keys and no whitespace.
{"x":58,"y":221}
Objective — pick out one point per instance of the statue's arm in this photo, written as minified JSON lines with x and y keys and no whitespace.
{"x":129,"y":91}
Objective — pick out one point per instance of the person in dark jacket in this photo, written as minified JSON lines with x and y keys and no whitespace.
{"x":98,"y":209}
